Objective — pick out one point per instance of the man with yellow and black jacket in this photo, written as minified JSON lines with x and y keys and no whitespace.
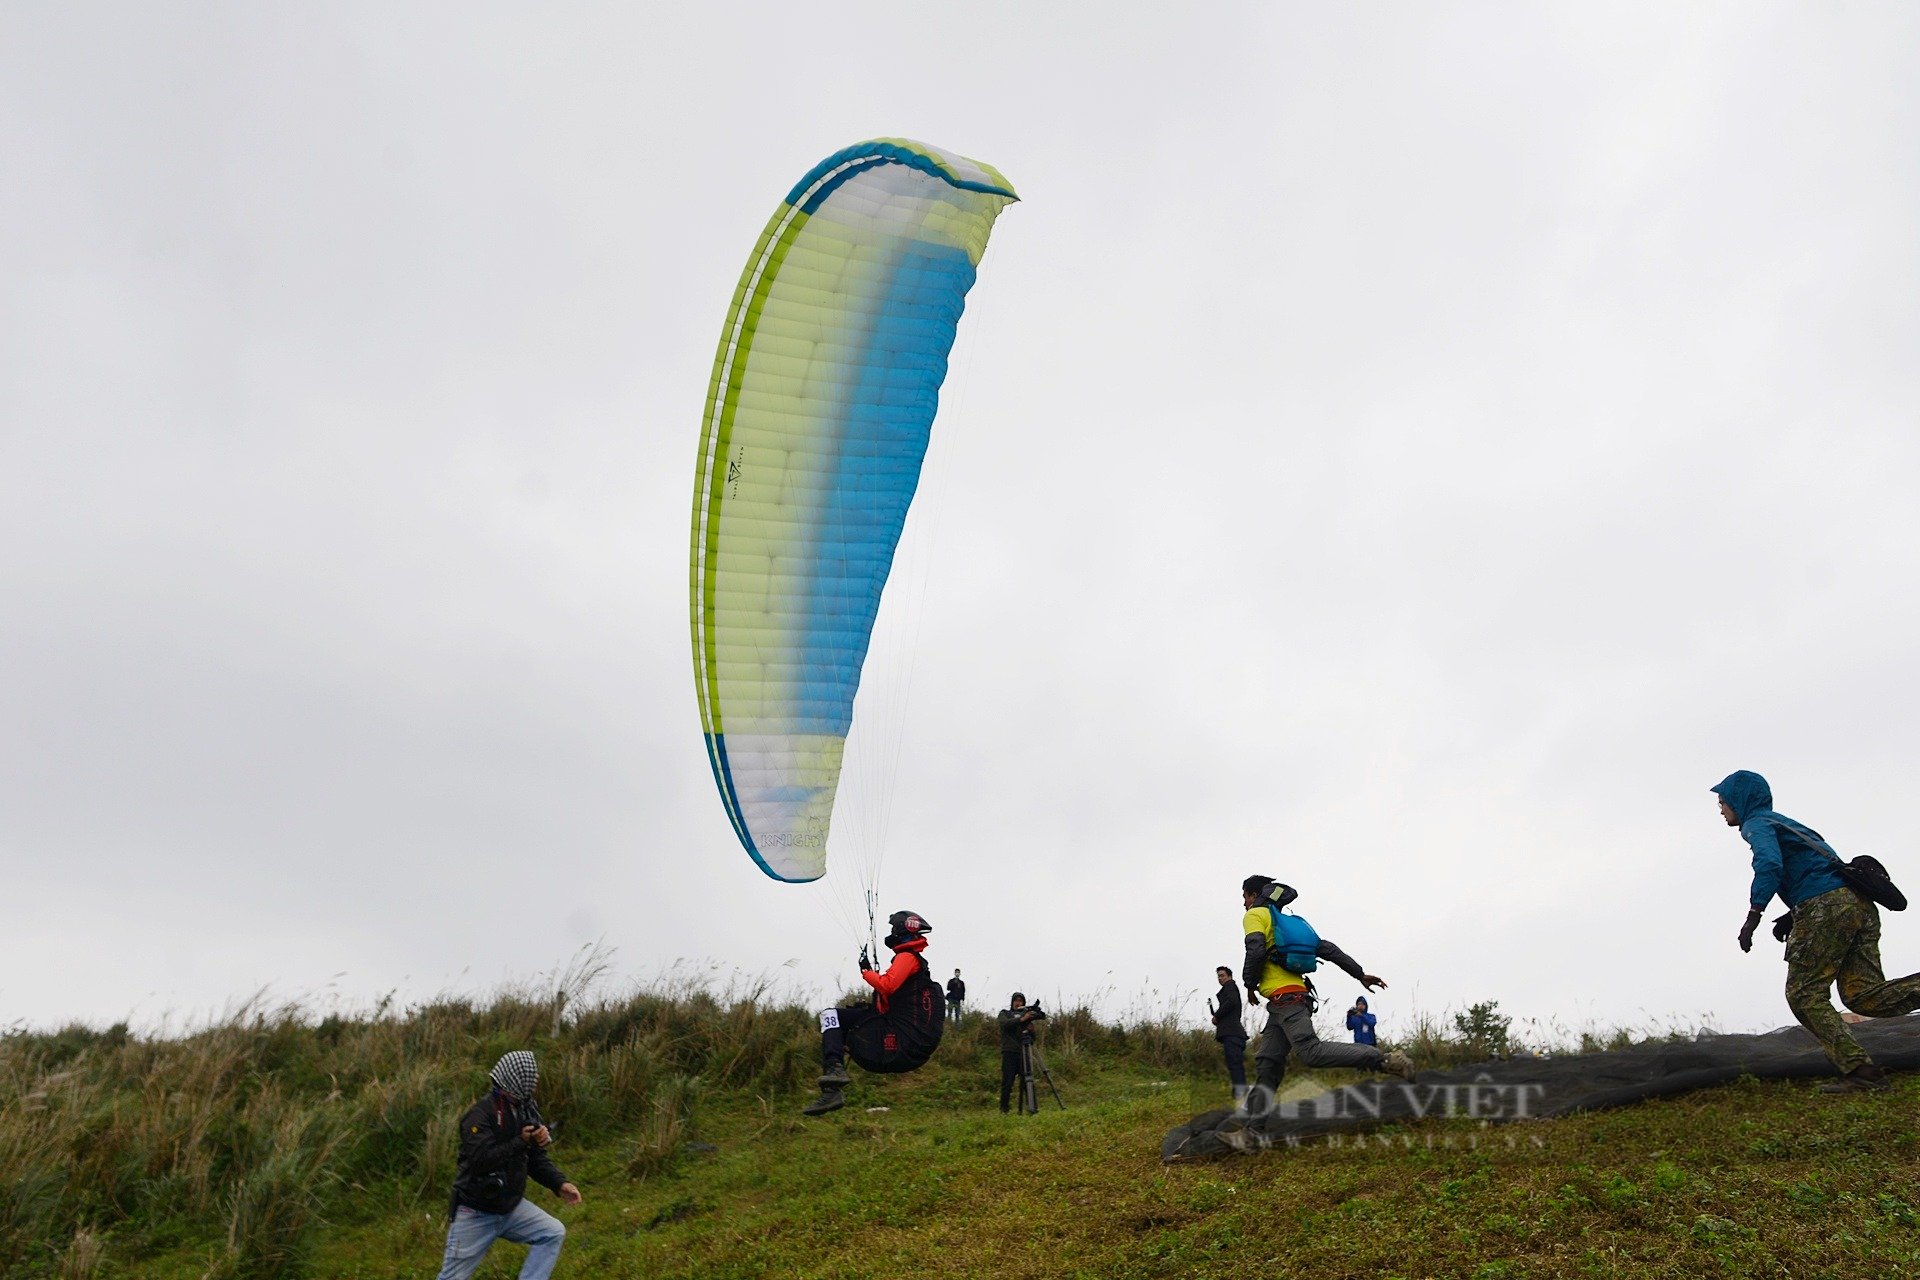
{"x":1289,"y":996}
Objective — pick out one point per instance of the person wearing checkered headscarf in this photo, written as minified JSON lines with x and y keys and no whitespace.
{"x":503,"y":1142}
{"x":516,"y":1074}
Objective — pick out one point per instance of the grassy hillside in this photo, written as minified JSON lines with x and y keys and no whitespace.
{"x":275,"y":1146}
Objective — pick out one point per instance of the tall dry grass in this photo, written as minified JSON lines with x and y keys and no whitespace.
{"x":241,"y":1137}
{"x":245,"y":1133}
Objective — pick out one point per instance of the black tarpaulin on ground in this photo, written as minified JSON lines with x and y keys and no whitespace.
{"x":1536,"y":1088}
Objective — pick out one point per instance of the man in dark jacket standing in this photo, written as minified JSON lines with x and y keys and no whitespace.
{"x":503,"y":1142}
{"x":956,"y":996}
{"x":1016,"y":1023}
{"x":1835,"y":932}
{"x":1230,"y":1029}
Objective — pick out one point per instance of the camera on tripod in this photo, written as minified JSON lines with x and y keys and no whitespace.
{"x":1028,"y":1016}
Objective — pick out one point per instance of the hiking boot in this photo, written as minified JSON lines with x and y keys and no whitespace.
{"x":1397,"y":1064}
{"x":829,"y":1100}
{"x":1863,"y":1079}
{"x":834,"y":1076}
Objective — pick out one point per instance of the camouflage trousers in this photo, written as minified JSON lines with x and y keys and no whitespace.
{"x":1836,"y":937}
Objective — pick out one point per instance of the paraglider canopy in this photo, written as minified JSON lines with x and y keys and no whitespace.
{"x":817,"y":422}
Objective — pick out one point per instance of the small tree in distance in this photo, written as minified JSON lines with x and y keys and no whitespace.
{"x":1484,"y":1029}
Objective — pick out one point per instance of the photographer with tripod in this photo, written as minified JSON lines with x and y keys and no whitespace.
{"x":1016,"y":1032}
{"x":1019,"y":1059}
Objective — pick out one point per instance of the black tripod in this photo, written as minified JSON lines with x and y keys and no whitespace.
{"x":1029,"y":1059}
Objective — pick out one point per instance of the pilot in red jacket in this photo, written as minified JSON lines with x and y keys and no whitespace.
{"x":898,"y":1031}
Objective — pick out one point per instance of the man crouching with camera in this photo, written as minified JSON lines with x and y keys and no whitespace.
{"x":503,"y":1141}
{"x":1016,"y":1033}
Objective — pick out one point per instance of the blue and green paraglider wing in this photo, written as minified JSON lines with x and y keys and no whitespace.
{"x":817,"y":420}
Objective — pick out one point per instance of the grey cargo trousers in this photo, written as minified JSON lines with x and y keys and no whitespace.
{"x":1290,"y":1029}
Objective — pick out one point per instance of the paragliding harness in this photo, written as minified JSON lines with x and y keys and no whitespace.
{"x":905,"y":1036}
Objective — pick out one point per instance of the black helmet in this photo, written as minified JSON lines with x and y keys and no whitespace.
{"x":906,"y":924}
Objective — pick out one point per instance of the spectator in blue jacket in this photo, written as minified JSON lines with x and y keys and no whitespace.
{"x":1361,"y":1023}
{"x":1835,"y":933}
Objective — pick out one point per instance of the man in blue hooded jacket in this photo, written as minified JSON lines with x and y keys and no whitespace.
{"x":1835,"y":932}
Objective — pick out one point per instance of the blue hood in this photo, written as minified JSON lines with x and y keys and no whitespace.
{"x":1746,"y":793}
{"x":1788,"y":859}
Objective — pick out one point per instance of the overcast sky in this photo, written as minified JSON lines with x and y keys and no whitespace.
{"x":1413,"y":451}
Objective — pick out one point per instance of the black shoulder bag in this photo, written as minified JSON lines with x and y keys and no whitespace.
{"x":1864,"y":874}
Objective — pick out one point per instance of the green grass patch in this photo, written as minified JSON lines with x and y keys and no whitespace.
{"x":275,"y":1145}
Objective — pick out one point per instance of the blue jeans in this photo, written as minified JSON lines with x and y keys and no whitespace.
{"x":474,"y":1232}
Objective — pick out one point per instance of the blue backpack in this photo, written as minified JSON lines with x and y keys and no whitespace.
{"x":1295,"y":946}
